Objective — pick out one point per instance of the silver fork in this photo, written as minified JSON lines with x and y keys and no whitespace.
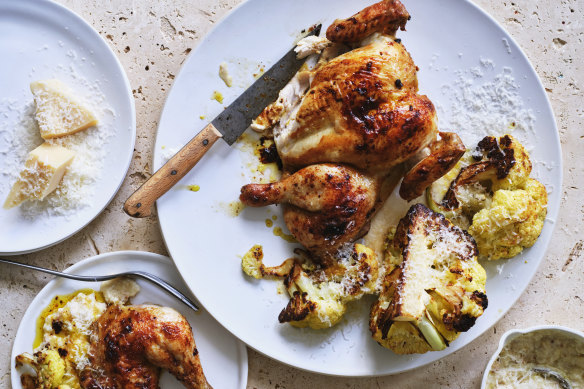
{"x":135,"y":273}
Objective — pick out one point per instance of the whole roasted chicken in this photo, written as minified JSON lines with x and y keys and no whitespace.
{"x":343,"y":126}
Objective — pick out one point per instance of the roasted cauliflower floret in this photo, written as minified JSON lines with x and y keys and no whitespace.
{"x":312,"y":304}
{"x":318,"y":296}
{"x":434,"y":287}
{"x":512,"y":221}
{"x":496,"y":171}
{"x":49,"y":367}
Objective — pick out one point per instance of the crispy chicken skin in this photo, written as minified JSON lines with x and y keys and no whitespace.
{"x":326,"y":205}
{"x":362,"y":109}
{"x":385,"y":17}
{"x":130,"y":345}
{"x":444,"y":154}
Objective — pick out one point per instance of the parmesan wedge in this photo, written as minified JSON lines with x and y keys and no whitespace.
{"x":44,"y":168}
{"x":58,"y":111}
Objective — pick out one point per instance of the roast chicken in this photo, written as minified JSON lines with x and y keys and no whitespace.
{"x":131,"y":344}
{"x":359,"y":109}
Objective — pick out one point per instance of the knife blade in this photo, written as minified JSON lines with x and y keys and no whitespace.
{"x":228,"y":125}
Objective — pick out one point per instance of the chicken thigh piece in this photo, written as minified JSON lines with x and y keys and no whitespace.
{"x":131,"y":343}
{"x":326,"y":205}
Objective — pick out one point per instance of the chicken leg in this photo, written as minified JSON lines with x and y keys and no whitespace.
{"x":132,"y":344}
{"x":326,"y":205}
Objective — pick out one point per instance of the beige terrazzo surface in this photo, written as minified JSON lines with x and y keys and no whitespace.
{"x":152,"y":39}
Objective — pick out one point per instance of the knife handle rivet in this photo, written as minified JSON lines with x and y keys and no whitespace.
{"x":173,"y":172}
{"x":205,"y":142}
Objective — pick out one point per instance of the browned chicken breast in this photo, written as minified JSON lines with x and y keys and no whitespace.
{"x":131,"y":344}
{"x":363,"y":109}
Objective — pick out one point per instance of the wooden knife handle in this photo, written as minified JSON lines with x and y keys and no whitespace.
{"x":140,"y":203}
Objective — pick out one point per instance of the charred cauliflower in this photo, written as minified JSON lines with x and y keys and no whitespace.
{"x":513,"y":220}
{"x":434,"y":287}
{"x":319,"y":296}
{"x":490,"y":194}
{"x":49,"y":367}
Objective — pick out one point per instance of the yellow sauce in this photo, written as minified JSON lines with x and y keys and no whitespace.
{"x":217,"y":96}
{"x":193,"y":188}
{"x":261,"y":71}
{"x":261,"y":173}
{"x":269,"y":223}
{"x":57,"y":302}
{"x":274,"y":217}
{"x":287,"y":237}
{"x":202,"y":117}
{"x":235,"y":208}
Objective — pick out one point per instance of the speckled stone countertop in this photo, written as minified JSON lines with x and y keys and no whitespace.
{"x":153,"y":38}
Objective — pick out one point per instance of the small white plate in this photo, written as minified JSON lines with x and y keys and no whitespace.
{"x":223,"y":357}
{"x":454,"y":44}
{"x":40,"y":40}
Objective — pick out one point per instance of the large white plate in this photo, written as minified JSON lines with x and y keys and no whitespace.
{"x":223,"y":357}
{"x":206,"y":242}
{"x":40,"y":40}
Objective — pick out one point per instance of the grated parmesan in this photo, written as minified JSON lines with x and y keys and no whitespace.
{"x":476,"y":107}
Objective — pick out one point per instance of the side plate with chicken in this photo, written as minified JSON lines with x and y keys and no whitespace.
{"x":223,"y":358}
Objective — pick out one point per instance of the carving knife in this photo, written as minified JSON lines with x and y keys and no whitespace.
{"x":228,"y":125}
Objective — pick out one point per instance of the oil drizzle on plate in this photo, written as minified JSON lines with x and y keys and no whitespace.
{"x":59,"y":301}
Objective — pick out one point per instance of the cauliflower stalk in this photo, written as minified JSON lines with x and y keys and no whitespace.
{"x":319,"y":296}
{"x":434,"y":287}
{"x":490,"y":194}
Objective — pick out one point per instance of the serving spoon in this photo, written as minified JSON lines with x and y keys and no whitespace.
{"x":549,"y":373}
{"x":134,"y":273}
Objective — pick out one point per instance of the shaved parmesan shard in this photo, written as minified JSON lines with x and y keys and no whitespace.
{"x":44,"y":168}
{"x":224,"y":74}
{"x":119,"y":290}
{"x":58,"y":111}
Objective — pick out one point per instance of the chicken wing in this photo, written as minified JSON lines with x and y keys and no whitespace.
{"x":385,"y":17}
{"x":444,"y":154}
